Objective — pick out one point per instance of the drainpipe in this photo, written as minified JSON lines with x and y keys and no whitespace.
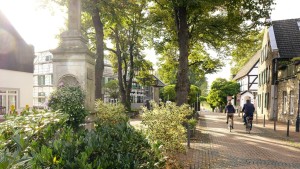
{"x":298,"y":118}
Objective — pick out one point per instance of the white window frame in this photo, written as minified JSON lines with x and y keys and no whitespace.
{"x":8,"y":93}
{"x":284,"y":103}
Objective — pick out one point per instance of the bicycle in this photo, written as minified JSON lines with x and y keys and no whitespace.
{"x":230,"y":124}
{"x":249,"y":120}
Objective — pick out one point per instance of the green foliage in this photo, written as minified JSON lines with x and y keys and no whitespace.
{"x":112,"y":88}
{"x":220,"y":89}
{"x":245,"y":49}
{"x":118,"y":146}
{"x":202,"y":98}
{"x":69,"y":100}
{"x":110,"y":114}
{"x":193,"y":94}
{"x":192,"y":123}
{"x":42,"y":140}
{"x":200,"y":64}
{"x":169,"y":93}
{"x":19,"y":135}
{"x":164,"y":126}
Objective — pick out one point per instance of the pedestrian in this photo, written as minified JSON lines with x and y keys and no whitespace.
{"x":248,"y":110}
{"x":229,"y":109}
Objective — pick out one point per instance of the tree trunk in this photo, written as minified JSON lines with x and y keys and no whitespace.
{"x":182,"y":85}
{"x":129,"y":84}
{"x":99,"y":67}
{"x":120,"y":69}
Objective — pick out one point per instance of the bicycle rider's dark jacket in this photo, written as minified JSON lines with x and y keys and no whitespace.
{"x":229,"y":109}
{"x":248,"y":109}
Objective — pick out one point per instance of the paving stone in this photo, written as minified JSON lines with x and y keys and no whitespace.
{"x":220,"y":148}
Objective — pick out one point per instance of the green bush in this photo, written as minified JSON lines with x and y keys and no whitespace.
{"x":164,"y":125}
{"x":118,"y":146}
{"x":41,"y":140}
{"x":110,"y":114}
{"x":69,"y":100}
{"x":20,"y":134}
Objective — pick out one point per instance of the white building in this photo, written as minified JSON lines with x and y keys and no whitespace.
{"x":16,"y":69}
{"x":42,"y":78}
{"x":247,"y":77}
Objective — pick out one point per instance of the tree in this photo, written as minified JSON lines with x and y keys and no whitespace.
{"x":112,"y":88}
{"x":168,"y":93}
{"x":207,"y":22}
{"x":199,"y":62}
{"x":220,"y":89}
{"x":126,"y":25}
{"x":245,"y":49}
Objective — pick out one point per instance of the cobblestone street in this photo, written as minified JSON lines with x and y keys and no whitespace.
{"x":220,"y":148}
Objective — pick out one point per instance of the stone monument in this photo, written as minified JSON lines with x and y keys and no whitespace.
{"x":73,"y":63}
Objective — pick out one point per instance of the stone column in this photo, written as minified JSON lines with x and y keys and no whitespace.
{"x":73,"y":63}
{"x":74,"y":15}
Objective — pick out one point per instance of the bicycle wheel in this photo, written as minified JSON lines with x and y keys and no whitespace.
{"x":248,"y":125}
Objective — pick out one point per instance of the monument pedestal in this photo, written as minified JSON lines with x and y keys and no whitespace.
{"x":74,"y":65}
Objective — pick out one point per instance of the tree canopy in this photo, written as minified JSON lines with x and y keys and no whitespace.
{"x":214,"y":23}
{"x":244,"y":50}
{"x":220,"y":89}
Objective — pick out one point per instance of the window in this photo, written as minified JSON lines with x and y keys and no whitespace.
{"x":267,"y":100}
{"x":41,"y":80}
{"x":292,"y":108}
{"x":41,"y":100}
{"x":7,"y":99}
{"x":284,"y":106}
{"x":269,"y":73}
{"x":48,"y":58}
{"x":41,"y":94}
{"x":139,"y":99}
{"x":298,"y":23}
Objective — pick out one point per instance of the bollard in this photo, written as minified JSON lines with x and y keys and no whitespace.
{"x":264,"y":120}
{"x":189,"y":136}
{"x":275,"y":119}
{"x":288,"y":129}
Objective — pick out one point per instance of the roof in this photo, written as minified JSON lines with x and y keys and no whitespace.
{"x":15,"y":53}
{"x":248,"y":66}
{"x":159,"y":82}
{"x":287,"y":36}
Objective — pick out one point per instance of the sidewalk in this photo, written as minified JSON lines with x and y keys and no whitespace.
{"x":216,"y":147}
{"x":281,"y":129}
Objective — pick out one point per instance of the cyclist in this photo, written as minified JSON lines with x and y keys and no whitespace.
{"x":248,"y":110}
{"x":230,"y":111}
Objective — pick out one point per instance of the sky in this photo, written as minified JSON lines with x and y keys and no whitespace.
{"x":40,"y":26}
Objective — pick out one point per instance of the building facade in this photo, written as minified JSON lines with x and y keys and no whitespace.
{"x":16,"y":69}
{"x":278,"y":85}
{"x":247,"y":77}
{"x":42,"y":78}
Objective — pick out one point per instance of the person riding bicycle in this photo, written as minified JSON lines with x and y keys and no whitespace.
{"x":230,"y":111}
{"x":248,"y":110}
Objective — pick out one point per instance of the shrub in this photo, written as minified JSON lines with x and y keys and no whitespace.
{"x":118,"y":146}
{"x":69,"y":100}
{"x":110,"y":114}
{"x":164,"y":125}
{"x":20,"y":134}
